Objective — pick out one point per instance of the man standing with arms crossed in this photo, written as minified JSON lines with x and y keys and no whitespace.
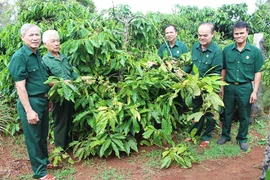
{"x":28,"y":72}
{"x":242,"y":64}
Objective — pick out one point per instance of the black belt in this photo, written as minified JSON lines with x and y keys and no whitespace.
{"x":43,"y":95}
{"x":238,"y":83}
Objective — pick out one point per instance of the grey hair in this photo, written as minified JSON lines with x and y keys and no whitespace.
{"x":47,"y":34}
{"x":27,"y":26}
{"x":211,"y":25}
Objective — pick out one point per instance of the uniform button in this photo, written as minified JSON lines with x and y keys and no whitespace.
{"x":238,"y":61}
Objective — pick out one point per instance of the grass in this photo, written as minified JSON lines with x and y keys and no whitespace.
{"x":148,"y":160}
{"x":64,"y":173}
{"x":216,"y":151}
{"x":108,"y":173}
{"x":153,"y":158}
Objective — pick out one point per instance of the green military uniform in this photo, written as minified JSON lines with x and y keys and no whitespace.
{"x":210,"y":58}
{"x":61,"y":113}
{"x":25,"y":65}
{"x":241,"y":67}
{"x":176,"y":51}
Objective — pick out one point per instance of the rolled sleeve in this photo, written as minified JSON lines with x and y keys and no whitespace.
{"x":17,"y":68}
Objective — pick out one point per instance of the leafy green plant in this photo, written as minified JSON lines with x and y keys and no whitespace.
{"x":58,"y":155}
{"x":179,"y":154}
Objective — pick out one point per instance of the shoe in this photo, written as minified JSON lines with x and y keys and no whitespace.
{"x":204,"y":144}
{"x":48,"y":177}
{"x":188,"y":139}
{"x":222,"y":141}
{"x":243,"y":146}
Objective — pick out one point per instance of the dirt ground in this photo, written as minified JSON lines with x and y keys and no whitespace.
{"x":14,"y":162}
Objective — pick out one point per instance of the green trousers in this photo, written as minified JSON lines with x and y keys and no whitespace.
{"x":237,"y":96}
{"x":62,"y":116}
{"x":36,"y":135}
{"x":210,"y":121}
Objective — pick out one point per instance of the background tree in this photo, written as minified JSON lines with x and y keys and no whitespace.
{"x":6,"y":13}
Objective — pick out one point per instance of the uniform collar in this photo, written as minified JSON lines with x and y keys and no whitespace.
{"x":247,"y":46}
{"x":49,"y":55}
{"x":28,"y":50}
{"x":177,"y":43}
{"x":210,"y":47}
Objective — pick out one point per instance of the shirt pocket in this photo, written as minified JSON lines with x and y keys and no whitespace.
{"x":32,"y":69}
{"x":205,"y":64}
{"x":56,"y":71}
{"x":248,"y":63}
{"x":230,"y":62}
{"x":33,"y":73}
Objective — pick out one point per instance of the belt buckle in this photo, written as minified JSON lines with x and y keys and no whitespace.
{"x":236,"y":83}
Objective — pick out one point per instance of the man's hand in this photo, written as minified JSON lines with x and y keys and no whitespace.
{"x":221,"y":92}
{"x":32,"y":117}
{"x":50,"y":105}
{"x":253,"y":97}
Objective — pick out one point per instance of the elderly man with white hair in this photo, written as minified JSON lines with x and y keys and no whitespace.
{"x":58,"y":65}
{"x":28,"y":72}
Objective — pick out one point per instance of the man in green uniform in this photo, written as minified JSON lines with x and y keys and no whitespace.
{"x":242,"y":64}
{"x":58,"y":65}
{"x":207,"y":57}
{"x":28,"y":72}
{"x":173,"y":47}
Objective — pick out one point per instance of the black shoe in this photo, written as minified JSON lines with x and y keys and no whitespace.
{"x":222,"y":141}
{"x":243,"y":146}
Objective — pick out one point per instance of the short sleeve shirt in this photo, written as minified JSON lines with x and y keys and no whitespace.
{"x":26,"y":65}
{"x":176,"y":51}
{"x":59,"y":68}
{"x":208,"y":61}
{"x":241,"y":66}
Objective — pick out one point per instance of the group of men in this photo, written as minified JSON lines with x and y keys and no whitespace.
{"x":29,"y":71}
{"x":239,"y":65}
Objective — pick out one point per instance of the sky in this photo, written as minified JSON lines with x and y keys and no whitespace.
{"x":165,"y":6}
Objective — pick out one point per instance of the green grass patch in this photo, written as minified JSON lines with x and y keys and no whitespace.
{"x":216,"y":151}
{"x":108,"y":173}
{"x":25,"y":176}
{"x":261,"y":126}
{"x":152,"y":158}
{"x":64,"y":173}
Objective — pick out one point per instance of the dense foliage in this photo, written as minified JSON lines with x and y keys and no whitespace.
{"x":127,"y":102}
